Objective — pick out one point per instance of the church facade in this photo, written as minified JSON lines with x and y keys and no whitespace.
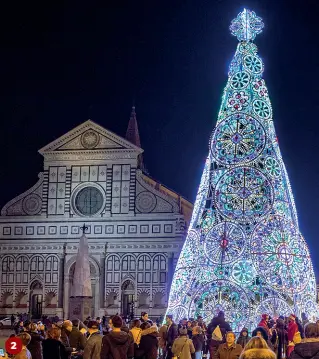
{"x":135,"y":229}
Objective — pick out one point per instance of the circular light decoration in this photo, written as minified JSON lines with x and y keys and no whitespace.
{"x":224,"y":243}
{"x":273,"y":306}
{"x":240,"y":80}
{"x":253,"y":64}
{"x":243,"y":272}
{"x":238,"y":138}
{"x":90,"y":139}
{"x":281,"y":255}
{"x":272,"y":167}
{"x":145,"y":202}
{"x":262,"y":109}
{"x":89,"y":201}
{"x":226,"y":296}
{"x":244,"y":194}
{"x":32,"y":204}
{"x":247,"y":47}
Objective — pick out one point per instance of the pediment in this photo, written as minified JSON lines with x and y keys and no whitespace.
{"x":89,"y":136}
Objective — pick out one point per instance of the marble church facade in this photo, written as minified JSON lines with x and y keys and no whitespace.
{"x":136,"y":229}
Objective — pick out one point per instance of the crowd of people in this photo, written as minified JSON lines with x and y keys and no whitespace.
{"x":280,"y":338}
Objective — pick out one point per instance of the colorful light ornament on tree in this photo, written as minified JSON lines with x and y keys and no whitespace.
{"x":244,"y":253}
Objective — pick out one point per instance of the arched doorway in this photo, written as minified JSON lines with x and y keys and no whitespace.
{"x":128,"y":299}
{"x":36,"y":299}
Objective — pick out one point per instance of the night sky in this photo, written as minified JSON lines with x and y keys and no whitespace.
{"x":62,"y":64}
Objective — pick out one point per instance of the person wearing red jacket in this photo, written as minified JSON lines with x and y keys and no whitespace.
{"x":292,"y":330}
{"x":264,"y":322}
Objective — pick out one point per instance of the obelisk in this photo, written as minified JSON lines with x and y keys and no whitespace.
{"x":81,"y":290}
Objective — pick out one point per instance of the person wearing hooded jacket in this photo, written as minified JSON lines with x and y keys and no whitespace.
{"x":243,"y":338}
{"x":117,"y":344}
{"x":224,"y":328}
{"x":260,"y":332}
{"x":149,"y":343}
{"x":309,"y":347}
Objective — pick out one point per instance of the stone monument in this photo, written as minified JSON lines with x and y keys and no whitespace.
{"x":81,"y":290}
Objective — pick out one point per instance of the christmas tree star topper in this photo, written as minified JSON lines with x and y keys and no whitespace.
{"x":246,"y":25}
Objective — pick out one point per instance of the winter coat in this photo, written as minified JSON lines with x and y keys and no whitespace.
{"x":24,"y":354}
{"x":263,"y":332}
{"x":198,"y":341}
{"x":259,"y":353}
{"x":136,"y":333}
{"x":65,"y":337}
{"x":292,"y":330}
{"x":226,"y":352}
{"x":264,"y":325}
{"x":149,"y":343}
{"x":279,"y":341}
{"x":300,"y":329}
{"x":77,"y":339}
{"x":224,"y":328}
{"x":117,"y":345}
{"x":308,"y":349}
{"x":93,"y":345}
{"x":243,"y":340}
{"x":172,"y":334}
{"x":54,"y":349}
{"x":183,"y":347}
{"x":162,"y":336}
{"x":35,"y":345}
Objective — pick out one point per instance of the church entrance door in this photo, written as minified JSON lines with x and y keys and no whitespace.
{"x":36,"y":299}
{"x":128,"y":299}
{"x":36,"y":305}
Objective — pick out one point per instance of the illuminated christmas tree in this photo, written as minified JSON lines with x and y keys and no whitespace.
{"x":244,"y":253}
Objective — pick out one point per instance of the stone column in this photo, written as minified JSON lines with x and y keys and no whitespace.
{"x":66,"y":296}
{"x":61,"y":281}
{"x":97,"y":297}
{"x":102,"y":281}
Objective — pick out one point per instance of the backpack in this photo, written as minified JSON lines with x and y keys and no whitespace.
{"x":217,"y":334}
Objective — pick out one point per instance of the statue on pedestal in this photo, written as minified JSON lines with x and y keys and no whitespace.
{"x":81,"y":290}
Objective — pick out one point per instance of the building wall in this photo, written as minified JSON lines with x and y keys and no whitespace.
{"x":135,"y":234}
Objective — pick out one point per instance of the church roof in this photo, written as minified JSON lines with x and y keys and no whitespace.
{"x":89,"y":136}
